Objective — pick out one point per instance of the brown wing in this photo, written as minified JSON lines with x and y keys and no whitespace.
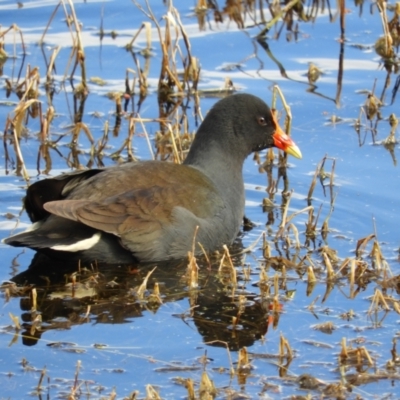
{"x":134,"y":176}
{"x":142,"y":212}
{"x":52,"y":189}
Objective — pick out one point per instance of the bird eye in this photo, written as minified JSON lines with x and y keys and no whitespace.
{"x":262,"y":121}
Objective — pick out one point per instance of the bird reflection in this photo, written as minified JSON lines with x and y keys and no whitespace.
{"x":224,"y":312}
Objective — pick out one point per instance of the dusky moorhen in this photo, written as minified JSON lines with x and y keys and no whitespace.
{"x":148,"y":211}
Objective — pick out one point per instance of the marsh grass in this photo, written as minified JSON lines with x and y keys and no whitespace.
{"x":303,"y":254}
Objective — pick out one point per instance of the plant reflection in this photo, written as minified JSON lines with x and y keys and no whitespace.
{"x":221,"y":310}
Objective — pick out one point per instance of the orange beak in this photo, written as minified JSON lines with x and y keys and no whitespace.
{"x":284,"y":142}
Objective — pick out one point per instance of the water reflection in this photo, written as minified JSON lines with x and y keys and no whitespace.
{"x":223,"y":313}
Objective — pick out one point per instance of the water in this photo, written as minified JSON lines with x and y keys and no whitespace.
{"x":139,"y":339}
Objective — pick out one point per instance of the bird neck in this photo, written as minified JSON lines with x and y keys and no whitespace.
{"x":216,"y":161}
{"x":225,"y":171}
{"x":209,"y":151}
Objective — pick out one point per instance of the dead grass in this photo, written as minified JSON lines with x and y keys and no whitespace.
{"x":289,"y":253}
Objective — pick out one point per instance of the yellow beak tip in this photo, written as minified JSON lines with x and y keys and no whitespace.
{"x":294,"y":151}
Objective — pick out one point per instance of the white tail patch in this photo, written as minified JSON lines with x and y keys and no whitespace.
{"x":81,"y":245}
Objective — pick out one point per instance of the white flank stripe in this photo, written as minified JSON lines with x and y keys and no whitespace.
{"x":81,"y":245}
